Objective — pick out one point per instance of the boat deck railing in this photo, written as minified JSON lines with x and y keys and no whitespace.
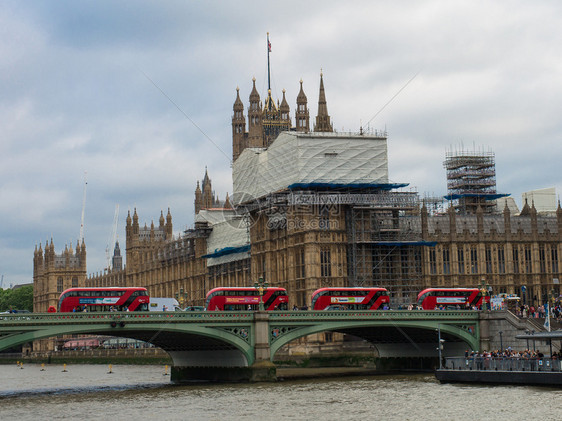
{"x":502,"y":364}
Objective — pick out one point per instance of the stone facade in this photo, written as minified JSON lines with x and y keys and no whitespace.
{"x":503,"y":251}
{"x":53,"y":273}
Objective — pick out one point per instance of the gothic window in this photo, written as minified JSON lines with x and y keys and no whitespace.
{"x":74,"y":282}
{"x":515,"y":260}
{"x":488,"y":255}
{"x":542,"y":259}
{"x":325,"y":263}
{"x":299,"y":263}
{"x":501,"y":260}
{"x":417,"y":260}
{"x":324,"y":221}
{"x":460,"y":255}
{"x":528,"y":257}
{"x":432,"y":261}
{"x":554,"y":258}
{"x":473,"y":259}
{"x":446,"y":262}
{"x":262,"y":264}
{"x":59,"y":284}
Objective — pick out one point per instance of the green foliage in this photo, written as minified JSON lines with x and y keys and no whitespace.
{"x":16,"y":299}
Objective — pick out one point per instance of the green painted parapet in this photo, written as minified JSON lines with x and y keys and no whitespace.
{"x":242,"y":344}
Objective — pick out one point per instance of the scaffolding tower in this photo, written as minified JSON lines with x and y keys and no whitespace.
{"x":385,"y":249}
{"x":471,"y":181}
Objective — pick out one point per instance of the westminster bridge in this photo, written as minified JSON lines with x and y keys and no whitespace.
{"x":242,"y":345}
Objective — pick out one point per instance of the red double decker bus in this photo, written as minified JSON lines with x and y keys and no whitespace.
{"x":246,"y":298}
{"x":432,"y":298}
{"x":350,"y":298}
{"x":104,"y":299}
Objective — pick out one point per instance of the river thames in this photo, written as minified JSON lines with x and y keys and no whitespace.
{"x":131,"y":392}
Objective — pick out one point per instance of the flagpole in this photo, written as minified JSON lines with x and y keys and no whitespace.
{"x":268,"y":77}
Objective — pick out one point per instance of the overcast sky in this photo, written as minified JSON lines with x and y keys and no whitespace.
{"x":139,"y":94}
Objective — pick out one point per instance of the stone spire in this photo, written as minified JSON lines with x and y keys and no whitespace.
{"x":135,"y":222}
{"x":526,"y":211}
{"x":227,"y":204}
{"x":507,"y":221}
{"x":323,"y":118}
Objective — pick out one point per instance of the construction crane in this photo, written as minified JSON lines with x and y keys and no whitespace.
{"x":81,"y":239}
{"x":113,"y":236}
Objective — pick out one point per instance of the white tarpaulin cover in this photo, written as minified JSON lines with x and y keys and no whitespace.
{"x":228,"y":242}
{"x":308,"y":159}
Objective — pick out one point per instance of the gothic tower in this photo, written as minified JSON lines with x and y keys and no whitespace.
{"x":301,"y":113}
{"x":208,"y":194}
{"x":168,"y":227}
{"x":198,"y":199}
{"x":117,"y":259}
{"x":141,"y":241}
{"x":285,"y":110}
{"x":238,"y":128}
{"x":255,"y":128}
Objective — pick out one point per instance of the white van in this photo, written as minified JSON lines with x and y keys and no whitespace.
{"x":163,"y":304}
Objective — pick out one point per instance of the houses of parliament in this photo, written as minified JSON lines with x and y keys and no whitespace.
{"x":312,"y":207}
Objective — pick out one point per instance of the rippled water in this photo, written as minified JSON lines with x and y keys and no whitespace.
{"x":88,"y":392}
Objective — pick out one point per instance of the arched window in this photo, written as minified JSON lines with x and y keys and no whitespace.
{"x":59,"y":284}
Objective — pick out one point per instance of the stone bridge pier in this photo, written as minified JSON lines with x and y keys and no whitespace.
{"x":229,"y":365}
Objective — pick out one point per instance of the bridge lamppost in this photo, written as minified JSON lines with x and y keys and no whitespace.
{"x":485,"y":289}
{"x":261,"y":285}
{"x":182,"y":298}
{"x":501,"y":340}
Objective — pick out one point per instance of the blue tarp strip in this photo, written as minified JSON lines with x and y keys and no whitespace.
{"x":485,"y":196}
{"x":228,"y":250}
{"x":406,"y":243}
{"x":381,"y":186}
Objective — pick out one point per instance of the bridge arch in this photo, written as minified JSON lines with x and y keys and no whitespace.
{"x":367,"y":329}
{"x":186,"y":343}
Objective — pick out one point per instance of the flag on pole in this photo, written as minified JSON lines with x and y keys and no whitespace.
{"x":269,"y":46}
{"x":547,"y":317}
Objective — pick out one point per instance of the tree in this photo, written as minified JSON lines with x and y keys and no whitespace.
{"x":16,"y":299}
